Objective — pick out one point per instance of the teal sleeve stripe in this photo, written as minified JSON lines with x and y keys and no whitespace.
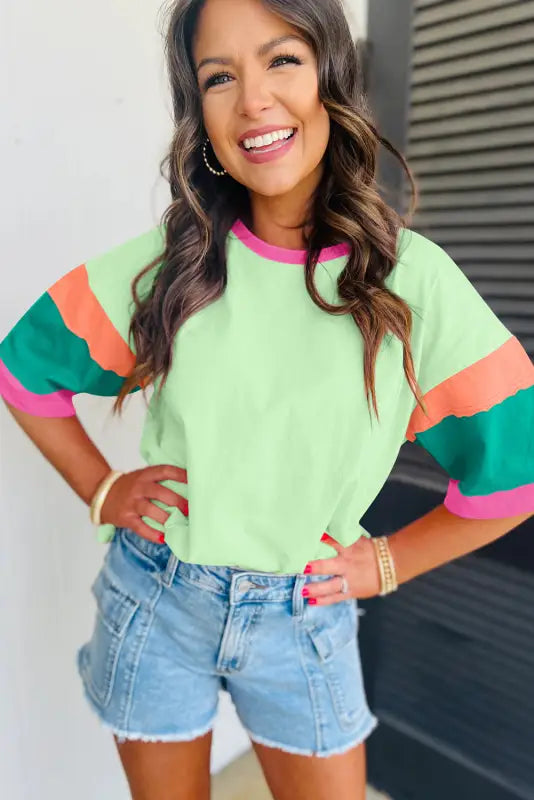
{"x":46,"y":357}
{"x":491,"y":451}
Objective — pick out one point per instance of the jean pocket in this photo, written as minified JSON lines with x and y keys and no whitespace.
{"x":331,"y":627}
{"x":151,"y":556}
{"x":336,"y":651}
{"x":99,"y":657}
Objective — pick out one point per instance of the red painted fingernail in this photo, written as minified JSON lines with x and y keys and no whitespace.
{"x":312,"y":601}
{"x":325,"y":536}
{"x":305,"y":592}
{"x":307,"y":569}
{"x":161,"y":539}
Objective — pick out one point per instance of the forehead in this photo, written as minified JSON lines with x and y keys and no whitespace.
{"x":227,"y":27}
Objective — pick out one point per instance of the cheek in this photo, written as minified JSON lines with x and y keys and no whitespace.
{"x":323,"y":123}
{"x":214,"y":117}
{"x":317,"y":131}
{"x":312,"y":113}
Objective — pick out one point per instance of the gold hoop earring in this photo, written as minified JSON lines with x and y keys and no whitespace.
{"x":214,"y":171}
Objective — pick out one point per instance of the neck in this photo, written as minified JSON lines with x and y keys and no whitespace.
{"x":280,"y":220}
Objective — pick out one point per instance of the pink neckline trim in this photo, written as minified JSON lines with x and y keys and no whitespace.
{"x":283,"y":254}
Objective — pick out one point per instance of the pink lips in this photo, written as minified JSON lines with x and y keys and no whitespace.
{"x":270,"y":153}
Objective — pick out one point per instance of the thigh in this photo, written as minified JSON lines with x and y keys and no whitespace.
{"x":148,"y":669}
{"x":167,"y":770}
{"x":299,"y":686}
{"x":297,"y":777}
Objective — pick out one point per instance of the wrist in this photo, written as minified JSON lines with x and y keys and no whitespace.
{"x":398,"y":552}
{"x":98,"y":475}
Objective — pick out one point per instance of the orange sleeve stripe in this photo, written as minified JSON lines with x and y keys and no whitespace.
{"x":84,"y":316}
{"x":476,"y":388}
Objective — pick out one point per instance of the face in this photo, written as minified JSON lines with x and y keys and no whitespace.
{"x":258,"y":78}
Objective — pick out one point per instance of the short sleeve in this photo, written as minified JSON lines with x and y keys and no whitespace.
{"x":478,"y":387}
{"x":74,"y":337}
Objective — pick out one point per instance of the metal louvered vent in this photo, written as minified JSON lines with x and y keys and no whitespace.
{"x":470,"y":143}
{"x":448,"y":659}
{"x":453,"y":668}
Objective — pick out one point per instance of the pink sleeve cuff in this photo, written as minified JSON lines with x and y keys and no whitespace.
{"x":56,"y":404}
{"x":497,"y":505}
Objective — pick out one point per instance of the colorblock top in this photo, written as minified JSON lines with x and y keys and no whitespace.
{"x":265,"y":409}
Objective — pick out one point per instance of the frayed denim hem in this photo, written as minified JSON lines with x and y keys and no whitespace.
{"x":138,"y":736}
{"x":135,"y":736}
{"x":372,"y":724}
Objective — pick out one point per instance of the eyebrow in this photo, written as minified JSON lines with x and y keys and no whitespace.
{"x":263,"y":50}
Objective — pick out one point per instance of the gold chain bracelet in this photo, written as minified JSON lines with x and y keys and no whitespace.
{"x":386,"y":566}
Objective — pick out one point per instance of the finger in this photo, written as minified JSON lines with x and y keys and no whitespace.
{"x":331,"y":541}
{"x":145,"y":508}
{"x":155,"y":491}
{"x":329,"y":599}
{"x":322,"y":588}
{"x":166,"y":472}
{"x":327,"y":566}
{"x":147,"y":532}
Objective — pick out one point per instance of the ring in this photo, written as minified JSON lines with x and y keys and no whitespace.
{"x":344,"y":585}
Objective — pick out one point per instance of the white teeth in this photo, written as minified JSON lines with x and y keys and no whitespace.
{"x":269,"y":138}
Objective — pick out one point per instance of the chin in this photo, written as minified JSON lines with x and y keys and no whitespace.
{"x":273,"y":188}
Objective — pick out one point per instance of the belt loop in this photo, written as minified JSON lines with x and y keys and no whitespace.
{"x":170,"y":570}
{"x":298,"y":599}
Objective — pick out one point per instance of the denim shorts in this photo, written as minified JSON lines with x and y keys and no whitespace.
{"x":169,"y":635}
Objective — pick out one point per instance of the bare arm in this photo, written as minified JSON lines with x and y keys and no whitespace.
{"x":439,"y":537}
{"x":66,"y":445}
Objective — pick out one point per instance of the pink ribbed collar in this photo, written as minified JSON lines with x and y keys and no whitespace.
{"x":283,"y":254}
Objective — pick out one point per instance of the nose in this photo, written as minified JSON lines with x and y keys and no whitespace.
{"x":254,"y":95}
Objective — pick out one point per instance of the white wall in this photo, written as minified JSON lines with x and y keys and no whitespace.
{"x":85,"y":122}
{"x":357,"y":11}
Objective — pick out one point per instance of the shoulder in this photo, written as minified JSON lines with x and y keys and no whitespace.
{"x":99,"y":291}
{"x":448,"y":310}
{"x":421,"y":264}
{"x":119,"y":265}
{"x":110,"y":274}
{"x":425,"y":274}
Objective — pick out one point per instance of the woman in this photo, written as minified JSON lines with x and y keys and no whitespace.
{"x":295,"y":334}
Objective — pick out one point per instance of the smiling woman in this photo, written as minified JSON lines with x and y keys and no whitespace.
{"x":283,"y":66}
{"x":296,"y":333}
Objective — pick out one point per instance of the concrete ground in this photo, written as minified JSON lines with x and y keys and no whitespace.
{"x":243,"y":780}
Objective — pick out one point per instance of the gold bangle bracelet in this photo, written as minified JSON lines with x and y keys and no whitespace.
{"x":100,"y":495}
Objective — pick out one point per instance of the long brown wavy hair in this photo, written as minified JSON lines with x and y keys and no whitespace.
{"x":346,"y":207}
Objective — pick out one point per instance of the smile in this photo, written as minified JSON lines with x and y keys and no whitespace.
{"x":261,"y":142}
{"x":270,"y":146}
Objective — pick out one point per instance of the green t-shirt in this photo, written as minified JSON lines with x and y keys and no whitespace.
{"x":265,"y":408}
